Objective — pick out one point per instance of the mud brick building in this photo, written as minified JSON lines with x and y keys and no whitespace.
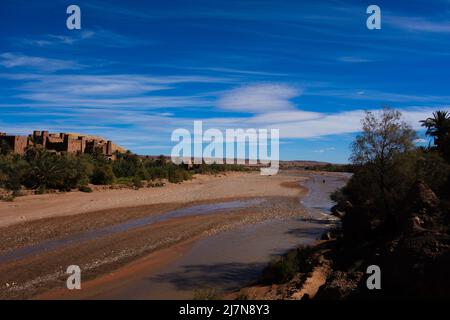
{"x":16,"y":144}
{"x":60,"y":142}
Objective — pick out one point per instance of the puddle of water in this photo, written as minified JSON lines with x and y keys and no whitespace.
{"x":50,"y":245}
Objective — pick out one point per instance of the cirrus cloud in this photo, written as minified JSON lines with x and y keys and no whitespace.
{"x":13,"y":60}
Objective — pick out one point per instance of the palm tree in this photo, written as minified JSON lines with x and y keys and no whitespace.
{"x":438,"y":127}
{"x":46,"y":169}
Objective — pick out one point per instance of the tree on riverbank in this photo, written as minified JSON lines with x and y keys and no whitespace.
{"x":388,"y":165}
{"x":395,"y":212}
{"x":377,"y":151}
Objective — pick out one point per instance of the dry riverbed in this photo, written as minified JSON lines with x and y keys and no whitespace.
{"x":41,"y":235}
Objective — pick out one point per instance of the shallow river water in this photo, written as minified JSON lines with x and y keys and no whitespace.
{"x":81,"y":237}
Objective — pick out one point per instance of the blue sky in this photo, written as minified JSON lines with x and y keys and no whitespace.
{"x":138,"y":70}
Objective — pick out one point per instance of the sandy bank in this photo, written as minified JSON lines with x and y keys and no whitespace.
{"x":202,"y":188}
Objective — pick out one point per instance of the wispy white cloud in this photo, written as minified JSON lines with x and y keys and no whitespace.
{"x":96,"y":37}
{"x":344,"y":122}
{"x":375,"y":95}
{"x":304,"y":125}
{"x":234,"y":71}
{"x":323,"y":150}
{"x":13,"y":60}
{"x":110,"y":91}
{"x":418,"y":24}
{"x":122,"y":107}
{"x":259,"y":98}
{"x":285,"y":116}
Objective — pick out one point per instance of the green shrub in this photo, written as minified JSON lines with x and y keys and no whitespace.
{"x":85,"y":189}
{"x":282,"y":269}
{"x":157,"y":173}
{"x":157,"y":184}
{"x":205,"y":294}
{"x":127,"y":181}
{"x":127,"y":165}
{"x":218,"y":168}
{"x":41,"y":190}
{"x":13,"y":169}
{"x":8,"y":198}
{"x":177,"y":175}
{"x":103,"y":175}
{"x":137,"y":182}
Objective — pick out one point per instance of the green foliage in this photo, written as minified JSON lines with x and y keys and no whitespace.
{"x":387,"y":165}
{"x":86,"y":189}
{"x":377,"y":151}
{"x":41,"y":190}
{"x":382,"y":138}
{"x":42,"y":170}
{"x":282,"y":269}
{"x":4,"y":148}
{"x":438,"y":127}
{"x":137,"y":182}
{"x":157,"y":173}
{"x":156,"y":184}
{"x":205,"y":294}
{"x":127,"y":165}
{"x":8,"y":198}
{"x":13,"y":170}
{"x":427,"y":166}
{"x":78,"y":171}
{"x":218,"y":168}
{"x":47,"y":170}
{"x":103,"y":174}
{"x":177,"y":174}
